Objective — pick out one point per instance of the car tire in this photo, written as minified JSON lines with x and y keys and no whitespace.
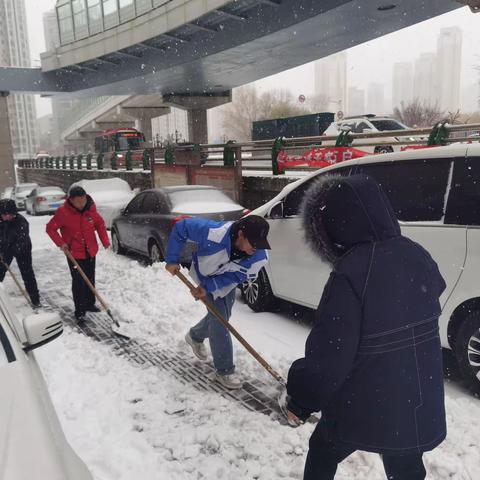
{"x":155,"y":254}
{"x":383,"y":149}
{"x":116,"y":245}
{"x":257,"y":294}
{"x":467,"y":350}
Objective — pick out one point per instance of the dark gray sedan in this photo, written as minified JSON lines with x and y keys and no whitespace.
{"x":146,"y":222}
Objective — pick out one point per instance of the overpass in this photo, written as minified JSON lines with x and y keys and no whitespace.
{"x":155,"y":54}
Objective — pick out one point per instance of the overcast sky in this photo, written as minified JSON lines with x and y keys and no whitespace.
{"x":370,"y":62}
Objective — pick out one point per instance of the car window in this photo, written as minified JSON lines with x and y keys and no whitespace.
{"x":33,"y":193}
{"x":416,"y":189}
{"x":135,"y":206}
{"x":385,"y":125}
{"x":464,"y":199}
{"x":151,"y":203}
{"x":293,"y":201}
{"x":361,"y":126}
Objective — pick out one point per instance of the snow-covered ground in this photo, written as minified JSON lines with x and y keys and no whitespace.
{"x":129,"y":423}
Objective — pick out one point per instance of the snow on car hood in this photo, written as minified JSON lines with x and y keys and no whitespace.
{"x":206,"y":207}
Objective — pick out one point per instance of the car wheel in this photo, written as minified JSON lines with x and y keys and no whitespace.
{"x":467,"y":350}
{"x":154,"y":253}
{"x":257,"y":294}
{"x":383,"y":150}
{"x":116,"y":245}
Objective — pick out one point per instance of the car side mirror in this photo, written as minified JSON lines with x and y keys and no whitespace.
{"x":276,"y":211}
{"x":41,"y":328}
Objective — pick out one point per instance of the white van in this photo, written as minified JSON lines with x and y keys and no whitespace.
{"x":435,"y":193}
{"x":32,"y":443}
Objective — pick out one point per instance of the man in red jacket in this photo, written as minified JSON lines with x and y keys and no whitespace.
{"x":72,"y":229}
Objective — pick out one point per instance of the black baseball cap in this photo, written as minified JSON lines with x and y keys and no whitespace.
{"x":76,"y":192}
{"x":255,"y":229}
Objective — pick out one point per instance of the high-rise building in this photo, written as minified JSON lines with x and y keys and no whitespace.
{"x":449,"y":58}
{"x":402,"y":83}
{"x":50,"y":30}
{"x":376,"y":99}
{"x":331,"y":80}
{"x":15,"y":52}
{"x":356,"y":101}
{"x":425,"y":80}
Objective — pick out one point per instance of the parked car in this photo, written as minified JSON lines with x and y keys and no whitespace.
{"x":21,"y":192}
{"x":32,"y":443}
{"x":110,"y":196}
{"x":7,"y":193}
{"x":145,"y":224}
{"x":435,"y":193}
{"x":369,"y":124}
{"x":44,"y":200}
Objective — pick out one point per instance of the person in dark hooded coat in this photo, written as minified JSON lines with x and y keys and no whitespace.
{"x":15,"y":243}
{"x":373,"y":362}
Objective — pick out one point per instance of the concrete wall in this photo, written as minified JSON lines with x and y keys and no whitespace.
{"x":256,"y":190}
{"x":64,"y":178}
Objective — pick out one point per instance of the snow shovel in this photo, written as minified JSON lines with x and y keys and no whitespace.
{"x":212,"y":309}
{"x":115,"y":325}
{"x":15,"y":279}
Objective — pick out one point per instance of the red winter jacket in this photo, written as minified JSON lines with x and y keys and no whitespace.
{"x":77,"y":229}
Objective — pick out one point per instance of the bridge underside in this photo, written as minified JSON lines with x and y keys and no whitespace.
{"x":244,"y":41}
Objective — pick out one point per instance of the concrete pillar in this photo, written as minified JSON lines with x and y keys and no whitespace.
{"x":197,"y":106}
{"x":7,"y":166}
{"x":197,"y":125}
{"x":144,"y":125}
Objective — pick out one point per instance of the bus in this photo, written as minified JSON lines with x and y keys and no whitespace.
{"x":119,"y":141}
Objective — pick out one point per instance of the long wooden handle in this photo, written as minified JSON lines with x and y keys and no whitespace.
{"x":213,"y":310}
{"x":89,"y":284}
{"x":15,"y":279}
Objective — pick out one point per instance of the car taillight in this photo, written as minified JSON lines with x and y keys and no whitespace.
{"x":177,"y":219}
{"x":41,"y":199}
{"x":245,"y":212}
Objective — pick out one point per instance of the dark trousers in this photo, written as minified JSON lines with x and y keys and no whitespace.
{"x":83,"y":297}
{"x":24,"y":262}
{"x":324,"y":456}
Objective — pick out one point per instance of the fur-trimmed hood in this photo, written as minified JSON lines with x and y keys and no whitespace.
{"x":339,"y":213}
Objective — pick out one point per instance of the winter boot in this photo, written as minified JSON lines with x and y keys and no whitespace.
{"x":198,"y":348}
{"x":232,"y":382}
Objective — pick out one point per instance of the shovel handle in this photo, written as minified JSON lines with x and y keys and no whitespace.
{"x":15,"y":279}
{"x":212,"y":309}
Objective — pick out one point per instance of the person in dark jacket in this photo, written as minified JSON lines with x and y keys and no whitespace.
{"x":15,"y":243}
{"x":373,"y":363}
{"x":72,"y":229}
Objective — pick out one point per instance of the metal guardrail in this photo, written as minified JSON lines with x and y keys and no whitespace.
{"x":258,"y":155}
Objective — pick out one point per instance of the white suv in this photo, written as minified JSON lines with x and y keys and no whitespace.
{"x":32,"y":443}
{"x":435,"y":193}
{"x":369,"y":124}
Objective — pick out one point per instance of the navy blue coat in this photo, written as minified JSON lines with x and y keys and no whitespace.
{"x":373,"y":362}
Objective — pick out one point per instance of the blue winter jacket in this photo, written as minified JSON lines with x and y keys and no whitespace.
{"x":373,"y":361}
{"x":211,"y":264}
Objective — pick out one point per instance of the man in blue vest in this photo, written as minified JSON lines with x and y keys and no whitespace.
{"x":228,"y":254}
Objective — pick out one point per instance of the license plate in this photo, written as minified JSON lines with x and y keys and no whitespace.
{"x":55,"y":205}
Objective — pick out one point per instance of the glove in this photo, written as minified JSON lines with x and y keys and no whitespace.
{"x":292,"y":418}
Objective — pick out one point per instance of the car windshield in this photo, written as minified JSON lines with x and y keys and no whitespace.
{"x":25,"y":188}
{"x":385,"y":125}
{"x":201,"y":201}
